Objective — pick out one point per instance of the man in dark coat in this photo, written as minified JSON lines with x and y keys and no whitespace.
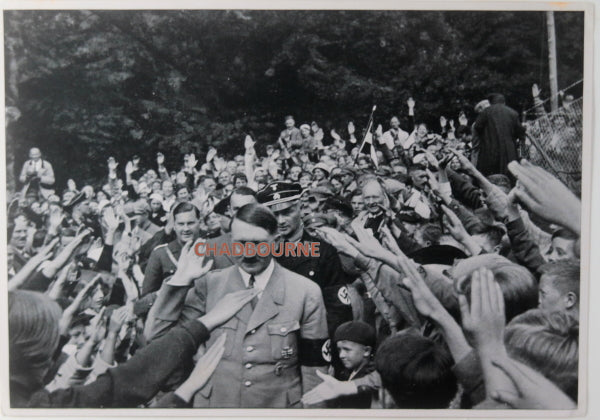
{"x":498,"y":129}
{"x":283,"y":198}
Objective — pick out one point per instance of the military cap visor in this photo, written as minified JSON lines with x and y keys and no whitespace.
{"x":279,"y":195}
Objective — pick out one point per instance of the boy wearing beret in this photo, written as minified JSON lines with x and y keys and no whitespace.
{"x":354,"y":385}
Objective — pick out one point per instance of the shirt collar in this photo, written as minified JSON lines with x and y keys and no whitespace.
{"x":261,"y":279}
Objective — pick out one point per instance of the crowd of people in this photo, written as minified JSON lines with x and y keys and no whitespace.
{"x":447,"y":276}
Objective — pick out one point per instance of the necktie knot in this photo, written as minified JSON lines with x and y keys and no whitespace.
{"x":251,"y":283}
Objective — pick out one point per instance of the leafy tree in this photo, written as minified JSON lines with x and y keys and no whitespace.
{"x":85,"y":85}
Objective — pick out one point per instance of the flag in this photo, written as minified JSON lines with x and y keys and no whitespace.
{"x":368,"y":147}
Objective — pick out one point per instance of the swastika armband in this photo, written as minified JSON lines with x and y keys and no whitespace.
{"x":314,"y":352}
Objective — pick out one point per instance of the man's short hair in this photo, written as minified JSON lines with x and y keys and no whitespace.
{"x":356,"y":192}
{"x":203,"y":178}
{"x":288,"y":117}
{"x":304,"y":173}
{"x":416,"y":371}
{"x":257,"y":215}
{"x":496,"y":98}
{"x":181,"y":187}
{"x":239,"y":175}
{"x":565,"y":275}
{"x":518,"y":285}
{"x":244,"y":191}
{"x":547,"y":342}
{"x":184,"y":208}
{"x":416,"y":167}
{"x":493,"y":233}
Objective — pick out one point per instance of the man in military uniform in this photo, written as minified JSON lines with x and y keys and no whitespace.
{"x":274,"y":345}
{"x":283,"y":199}
{"x":163,"y":259}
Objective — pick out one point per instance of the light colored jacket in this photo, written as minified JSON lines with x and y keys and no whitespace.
{"x":45,"y":173}
{"x":271,"y":353}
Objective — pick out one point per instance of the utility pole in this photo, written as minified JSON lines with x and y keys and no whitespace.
{"x":552,"y":60}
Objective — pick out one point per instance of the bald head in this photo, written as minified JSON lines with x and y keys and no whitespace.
{"x":373,"y":195}
{"x":35,"y":154}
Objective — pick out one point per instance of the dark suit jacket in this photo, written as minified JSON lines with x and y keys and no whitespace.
{"x":325,"y":270}
{"x":498,"y":128}
{"x":128,"y":385}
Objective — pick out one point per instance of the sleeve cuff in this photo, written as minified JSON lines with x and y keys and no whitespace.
{"x":362,"y":261}
{"x":197,"y":329}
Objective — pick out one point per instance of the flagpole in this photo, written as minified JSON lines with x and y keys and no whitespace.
{"x":369,"y":124}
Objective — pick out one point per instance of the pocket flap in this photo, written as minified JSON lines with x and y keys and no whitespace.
{"x":283,"y":328}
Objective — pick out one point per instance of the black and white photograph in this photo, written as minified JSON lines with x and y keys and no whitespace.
{"x":296,"y":209}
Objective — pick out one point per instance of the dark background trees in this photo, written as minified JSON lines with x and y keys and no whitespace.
{"x":85,"y":85}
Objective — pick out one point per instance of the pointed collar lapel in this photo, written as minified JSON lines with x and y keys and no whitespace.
{"x":235,"y":284}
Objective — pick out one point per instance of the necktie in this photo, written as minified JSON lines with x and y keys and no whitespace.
{"x":251,"y":283}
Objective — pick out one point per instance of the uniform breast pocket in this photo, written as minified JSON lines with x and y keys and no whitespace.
{"x":230,"y":329}
{"x":284,"y":339}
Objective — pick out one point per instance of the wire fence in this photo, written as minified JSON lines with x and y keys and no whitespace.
{"x":555,"y":142}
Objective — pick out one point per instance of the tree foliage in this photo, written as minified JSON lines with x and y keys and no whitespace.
{"x":85,"y":85}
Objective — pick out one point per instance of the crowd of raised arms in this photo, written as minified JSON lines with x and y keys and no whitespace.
{"x":448,"y":275}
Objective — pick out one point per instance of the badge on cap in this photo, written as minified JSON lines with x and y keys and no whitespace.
{"x":343,"y":295}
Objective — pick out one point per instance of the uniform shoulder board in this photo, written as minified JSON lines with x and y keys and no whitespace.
{"x":160,"y":246}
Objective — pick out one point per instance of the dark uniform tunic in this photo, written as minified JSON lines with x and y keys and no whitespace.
{"x":325,"y":270}
{"x":162,"y":264}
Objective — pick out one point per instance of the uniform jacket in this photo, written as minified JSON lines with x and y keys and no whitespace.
{"x":271,"y":353}
{"x":161,"y":265}
{"x":325,"y":270}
